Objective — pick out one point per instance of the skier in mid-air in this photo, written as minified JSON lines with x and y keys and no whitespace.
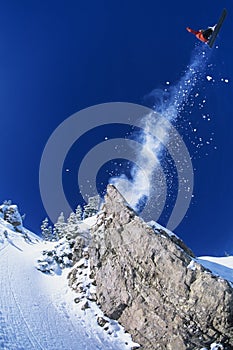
{"x":209,"y":35}
{"x":201,"y":34}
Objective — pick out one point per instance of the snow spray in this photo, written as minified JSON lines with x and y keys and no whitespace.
{"x":168,"y":105}
{"x":147,"y":189}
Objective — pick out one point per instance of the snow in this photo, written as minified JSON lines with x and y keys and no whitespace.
{"x":37,"y":310}
{"x":219,"y":266}
{"x":191,"y":265}
{"x":225,"y":80}
{"x":89,"y":222}
{"x":153,"y":224}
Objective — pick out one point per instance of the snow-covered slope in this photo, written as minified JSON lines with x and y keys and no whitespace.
{"x":220,"y":266}
{"x":37,"y":311}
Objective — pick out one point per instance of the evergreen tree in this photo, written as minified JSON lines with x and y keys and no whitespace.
{"x":79,"y":213}
{"x":92,"y":207}
{"x":72,"y":228}
{"x":46,"y":230}
{"x":60,"y":227}
{"x":7,"y":202}
{"x":71,"y":219}
{"x":87,"y":211}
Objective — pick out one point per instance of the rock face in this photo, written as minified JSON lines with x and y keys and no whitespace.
{"x":147,"y":280}
{"x":10,"y":213}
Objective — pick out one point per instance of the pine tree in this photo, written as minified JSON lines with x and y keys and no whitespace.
{"x":87,"y":211}
{"x":79,"y":213}
{"x":7,"y":202}
{"x":71,"y":219}
{"x":92,"y":207}
{"x":46,"y":230}
{"x":60,"y":227}
{"x":72,"y":228}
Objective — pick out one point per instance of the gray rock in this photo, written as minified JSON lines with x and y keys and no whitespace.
{"x":78,"y":249}
{"x":12,"y":215}
{"x":85,"y":305}
{"x":143,"y":280}
{"x":101,"y":321}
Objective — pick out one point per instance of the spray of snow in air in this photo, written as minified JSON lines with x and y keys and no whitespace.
{"x":168,"y":105}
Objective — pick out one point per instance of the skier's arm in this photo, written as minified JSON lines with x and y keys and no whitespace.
{"x":192,"y":31}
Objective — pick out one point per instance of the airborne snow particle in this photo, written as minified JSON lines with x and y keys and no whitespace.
{"x":209,"y":78}
{"x":67,"y":170}
{"x":167,"y":82}
{"x":106,"y":138}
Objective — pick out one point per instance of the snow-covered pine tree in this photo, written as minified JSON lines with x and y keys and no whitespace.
{"x":60,"y":227}
{"x":71,"y":219}
{"x":87,"y":211}
{"x":72,"y":228}
{"x":79,"y":213}
{"x":92,"y":207}
{"x":46,"y":230}
{"x":7,"y":202}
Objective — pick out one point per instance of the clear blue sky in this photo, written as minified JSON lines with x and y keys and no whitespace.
{"x":58,"y":57}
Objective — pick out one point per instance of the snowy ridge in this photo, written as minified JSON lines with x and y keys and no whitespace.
{"x":157,"y":226}
{"x":219,"y":266}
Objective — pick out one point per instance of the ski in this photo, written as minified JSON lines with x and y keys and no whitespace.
{"x":217,"y":28}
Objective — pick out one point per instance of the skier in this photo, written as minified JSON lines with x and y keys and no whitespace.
{"x":209,"y":35}
{"x":201,"y":34}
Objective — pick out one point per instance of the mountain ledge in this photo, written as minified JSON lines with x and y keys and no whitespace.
{"x":147,"y":279}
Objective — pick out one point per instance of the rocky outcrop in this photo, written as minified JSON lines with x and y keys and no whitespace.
{"x":147,"y":279}
{"x":10,"y":213}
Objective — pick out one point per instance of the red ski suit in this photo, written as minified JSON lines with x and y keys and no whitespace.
{"x":198,"y":33}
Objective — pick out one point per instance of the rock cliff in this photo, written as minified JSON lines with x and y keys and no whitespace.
{"x":10,"y":213}
{"x":148,"y":280}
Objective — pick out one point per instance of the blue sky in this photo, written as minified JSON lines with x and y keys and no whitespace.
{"x":59,"y":57}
